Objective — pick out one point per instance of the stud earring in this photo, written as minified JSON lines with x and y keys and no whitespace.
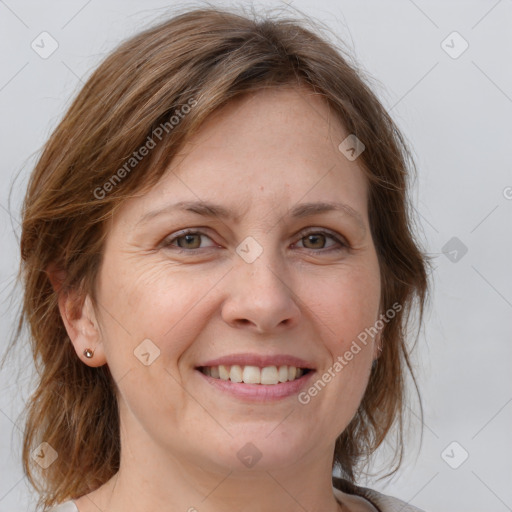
{"x":88,"y":353}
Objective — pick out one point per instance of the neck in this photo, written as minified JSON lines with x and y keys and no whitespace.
{"x":150,"y":478}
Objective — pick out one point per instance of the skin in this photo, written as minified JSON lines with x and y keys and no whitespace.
{"x":260,"y":156}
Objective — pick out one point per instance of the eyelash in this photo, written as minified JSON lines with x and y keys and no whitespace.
{"x":343,"y":245}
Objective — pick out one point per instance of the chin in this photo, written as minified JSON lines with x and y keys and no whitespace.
{"x":261,"y":449}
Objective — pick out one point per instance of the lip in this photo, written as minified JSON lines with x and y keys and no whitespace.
{"x":258,"y":392}
{"x":259,"y":360}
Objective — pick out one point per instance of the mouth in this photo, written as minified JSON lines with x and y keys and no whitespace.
{"x":265,"y":376}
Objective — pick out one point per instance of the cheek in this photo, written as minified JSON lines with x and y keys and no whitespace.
{"x":152,"y":302}
{"x":347,"y":307}
{"x":152,"y":317}
{"x":346,"y":304}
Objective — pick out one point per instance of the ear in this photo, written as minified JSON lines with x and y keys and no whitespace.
{"x":79,"y":318}
{"x":377,"y":340}
{"x":377,"y":343}
{"x":377,"y":346}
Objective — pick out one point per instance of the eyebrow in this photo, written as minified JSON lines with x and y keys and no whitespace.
{"x":207,"y":209}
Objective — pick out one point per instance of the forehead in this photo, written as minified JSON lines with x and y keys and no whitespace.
{"x":273,"y":118}
{"x":271,"y":148}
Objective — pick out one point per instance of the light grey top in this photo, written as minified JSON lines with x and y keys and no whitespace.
{"x":385,"y":503}
{"x":381,"y":502}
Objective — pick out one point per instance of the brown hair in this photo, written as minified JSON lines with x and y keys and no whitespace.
{"x":205,"y":56}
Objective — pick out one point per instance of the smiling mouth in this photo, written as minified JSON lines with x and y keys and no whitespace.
{"x":268,"y":375}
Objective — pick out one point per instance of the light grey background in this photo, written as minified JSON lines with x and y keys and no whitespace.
{"x":456,"y":115}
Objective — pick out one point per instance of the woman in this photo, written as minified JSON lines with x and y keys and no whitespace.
{"x":219,"y":268}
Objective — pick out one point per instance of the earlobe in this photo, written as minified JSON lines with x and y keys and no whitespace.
{"x":81,"y":324}
{"x":377,"y":340}
{"x":378,"y":351}
{"x":377,"y":347}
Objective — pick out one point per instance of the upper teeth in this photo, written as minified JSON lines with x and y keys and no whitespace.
{"x":254,"y":374}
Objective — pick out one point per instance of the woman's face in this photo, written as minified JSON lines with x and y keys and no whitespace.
{"x":271,"y":280}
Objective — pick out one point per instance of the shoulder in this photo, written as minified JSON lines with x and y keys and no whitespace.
{"x":387,"y":503}
{"x":67,"y":506}
{"x":382,"y":502}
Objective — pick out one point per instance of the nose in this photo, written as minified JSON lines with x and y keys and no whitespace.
{"x":261,"y":297}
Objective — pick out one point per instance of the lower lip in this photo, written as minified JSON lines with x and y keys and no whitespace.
{"x":259,"y":392}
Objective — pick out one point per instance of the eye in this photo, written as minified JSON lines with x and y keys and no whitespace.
{"x":317,"y":240}
{"x":188,"y":240}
